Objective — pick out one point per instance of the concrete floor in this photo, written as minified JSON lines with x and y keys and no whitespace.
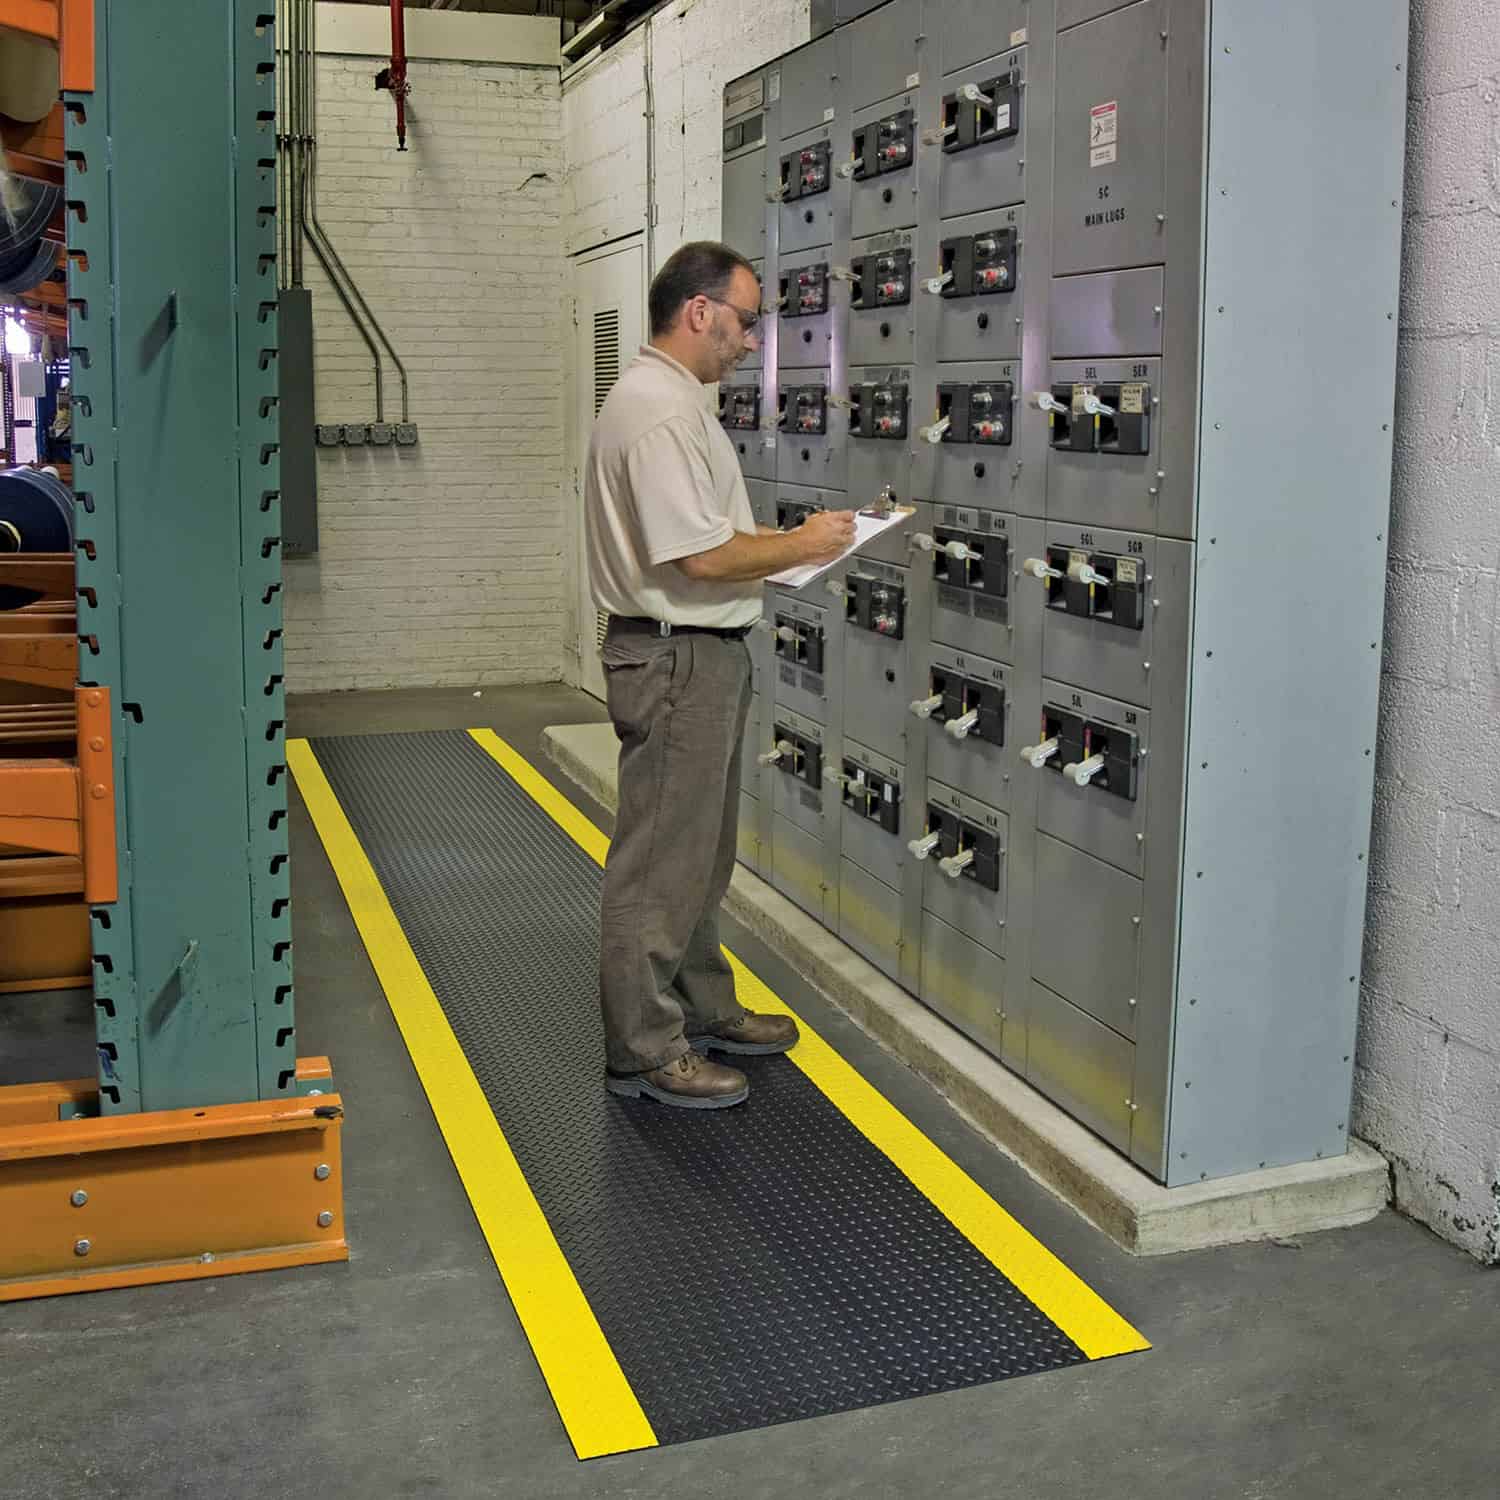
{"x":1359,"y":1363}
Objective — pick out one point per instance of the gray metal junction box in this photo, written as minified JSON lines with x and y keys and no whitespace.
{"x":1083,"y":755}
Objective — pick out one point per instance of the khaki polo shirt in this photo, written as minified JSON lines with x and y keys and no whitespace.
{"x":662,"y":482}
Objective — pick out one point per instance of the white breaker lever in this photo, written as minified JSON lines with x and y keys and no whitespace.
{"x":924,"y":708}
{"x":934,"y":433}
{"x":1048,"y":402}
{"x":959,"y":728}
{"x":1037,"y":756}
{"x":924,"y":846}
{"x":774,"y":757}
{"x":1081,"y":772}
{"x":934,"y":285}
{"x":956,"y":864}
{"x":1039,"y":567}
{"x":1085,"y":572}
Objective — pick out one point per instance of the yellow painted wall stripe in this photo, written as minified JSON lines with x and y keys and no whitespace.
{"x":1033,"y":1269}
{"x":597,"y":1406}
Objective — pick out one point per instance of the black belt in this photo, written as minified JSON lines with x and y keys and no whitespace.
{"x":662,"y":627}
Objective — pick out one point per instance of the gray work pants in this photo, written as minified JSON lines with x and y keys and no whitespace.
{"x":678,"y":704}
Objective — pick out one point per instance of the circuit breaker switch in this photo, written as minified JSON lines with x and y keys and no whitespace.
{"x":1081,"y":772}
{"x":1039,"y":567}
{"x":785,"y":633}
{"x":1037,"y":756}
{"x":1081,"y":570}
{"x":934,"y":432}
{"x":1094,"y":407}
{"x":955,"y":864}
{"x":959,"y":728}
{"x":1048,"y":402}
{"x":924,"y":846}
{"x":934,"y":284}
{"x":924,"y":708}
{"x":836,"y":778}
{"x":774,"y":757}
{"x":922,"y":541}
{"x":961,"y":552}
{"x":971,"y":93}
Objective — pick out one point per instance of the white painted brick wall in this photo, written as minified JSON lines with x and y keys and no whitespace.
{"x":1428,"y":1081}
{"x":439,"y":565}
{"x":697,"y":46}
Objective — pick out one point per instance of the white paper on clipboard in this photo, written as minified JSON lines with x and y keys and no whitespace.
{"x":867,"y":527}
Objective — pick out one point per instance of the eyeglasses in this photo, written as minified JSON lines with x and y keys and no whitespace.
{"x":749,"y":321}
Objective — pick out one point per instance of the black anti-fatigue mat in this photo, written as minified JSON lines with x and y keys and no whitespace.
{"x":749,"y":1266}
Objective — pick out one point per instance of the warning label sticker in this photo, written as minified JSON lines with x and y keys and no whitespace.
{"x":1104,"y":124}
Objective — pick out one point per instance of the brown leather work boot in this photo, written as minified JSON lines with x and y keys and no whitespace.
{"x":750,"y":1034}
{"x":689,"y":1082}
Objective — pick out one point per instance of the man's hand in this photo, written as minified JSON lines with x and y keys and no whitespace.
{"x":825,"y":534}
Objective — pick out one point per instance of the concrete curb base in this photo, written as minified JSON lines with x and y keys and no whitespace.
{"x":1136,"y":1212}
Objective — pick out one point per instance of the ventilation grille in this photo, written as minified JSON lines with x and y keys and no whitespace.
{"x":606,"y":354}
{"x":601,"y":628}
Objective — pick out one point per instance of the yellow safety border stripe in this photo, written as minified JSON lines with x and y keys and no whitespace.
{"x":593,"y":1397}
{"x":1033,"y":1269}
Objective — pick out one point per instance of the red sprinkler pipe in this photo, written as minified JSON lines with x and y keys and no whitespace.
{"x":396,"y":80}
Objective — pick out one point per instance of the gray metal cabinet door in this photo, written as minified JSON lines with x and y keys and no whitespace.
{"x":1111,"y":141}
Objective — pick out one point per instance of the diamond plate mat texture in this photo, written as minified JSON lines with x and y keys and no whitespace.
{"x":749,"y":1266}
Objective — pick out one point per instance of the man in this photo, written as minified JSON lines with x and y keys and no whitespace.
{"x":676,"y":559}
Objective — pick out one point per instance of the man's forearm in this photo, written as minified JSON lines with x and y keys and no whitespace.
{"x":745,"y":558}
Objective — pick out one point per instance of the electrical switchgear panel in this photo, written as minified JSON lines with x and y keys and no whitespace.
{"x":799,"y":643}
{"x":1067,"y":338}
{"x":804,"y":291}
{"x":964,"y":850}
{"x":883,"y":145}
{"x":1088,"y":752}
{"x":876,"y":605}
{"x":881,"y":280}
{"x":803,"y":408}
{"x":1095,"y":586}
{"x":979,"y":265}
{"x":979,"y":413}
{"x":989,"y":110}
{"x":871,"y":796}
{"x":796,"y":755}
{"x":878,"y":411}
{"x":739,"y":407}
{"x":804,"y":173}
{"x":1102,"y":418}
{"x":965,"y":706}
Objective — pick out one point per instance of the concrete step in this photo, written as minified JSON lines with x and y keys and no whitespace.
{"x":1134,"y":1210}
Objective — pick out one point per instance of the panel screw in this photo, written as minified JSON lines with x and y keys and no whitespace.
{"x":314,"y":1093}
{"x":1131,"y":1002}
{"x":79,"y":1198}
{"x":82,"y":1247}
{"x":206,"y":1259}
{"x":322,"y":1171}
{"x":324,"y":1219}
